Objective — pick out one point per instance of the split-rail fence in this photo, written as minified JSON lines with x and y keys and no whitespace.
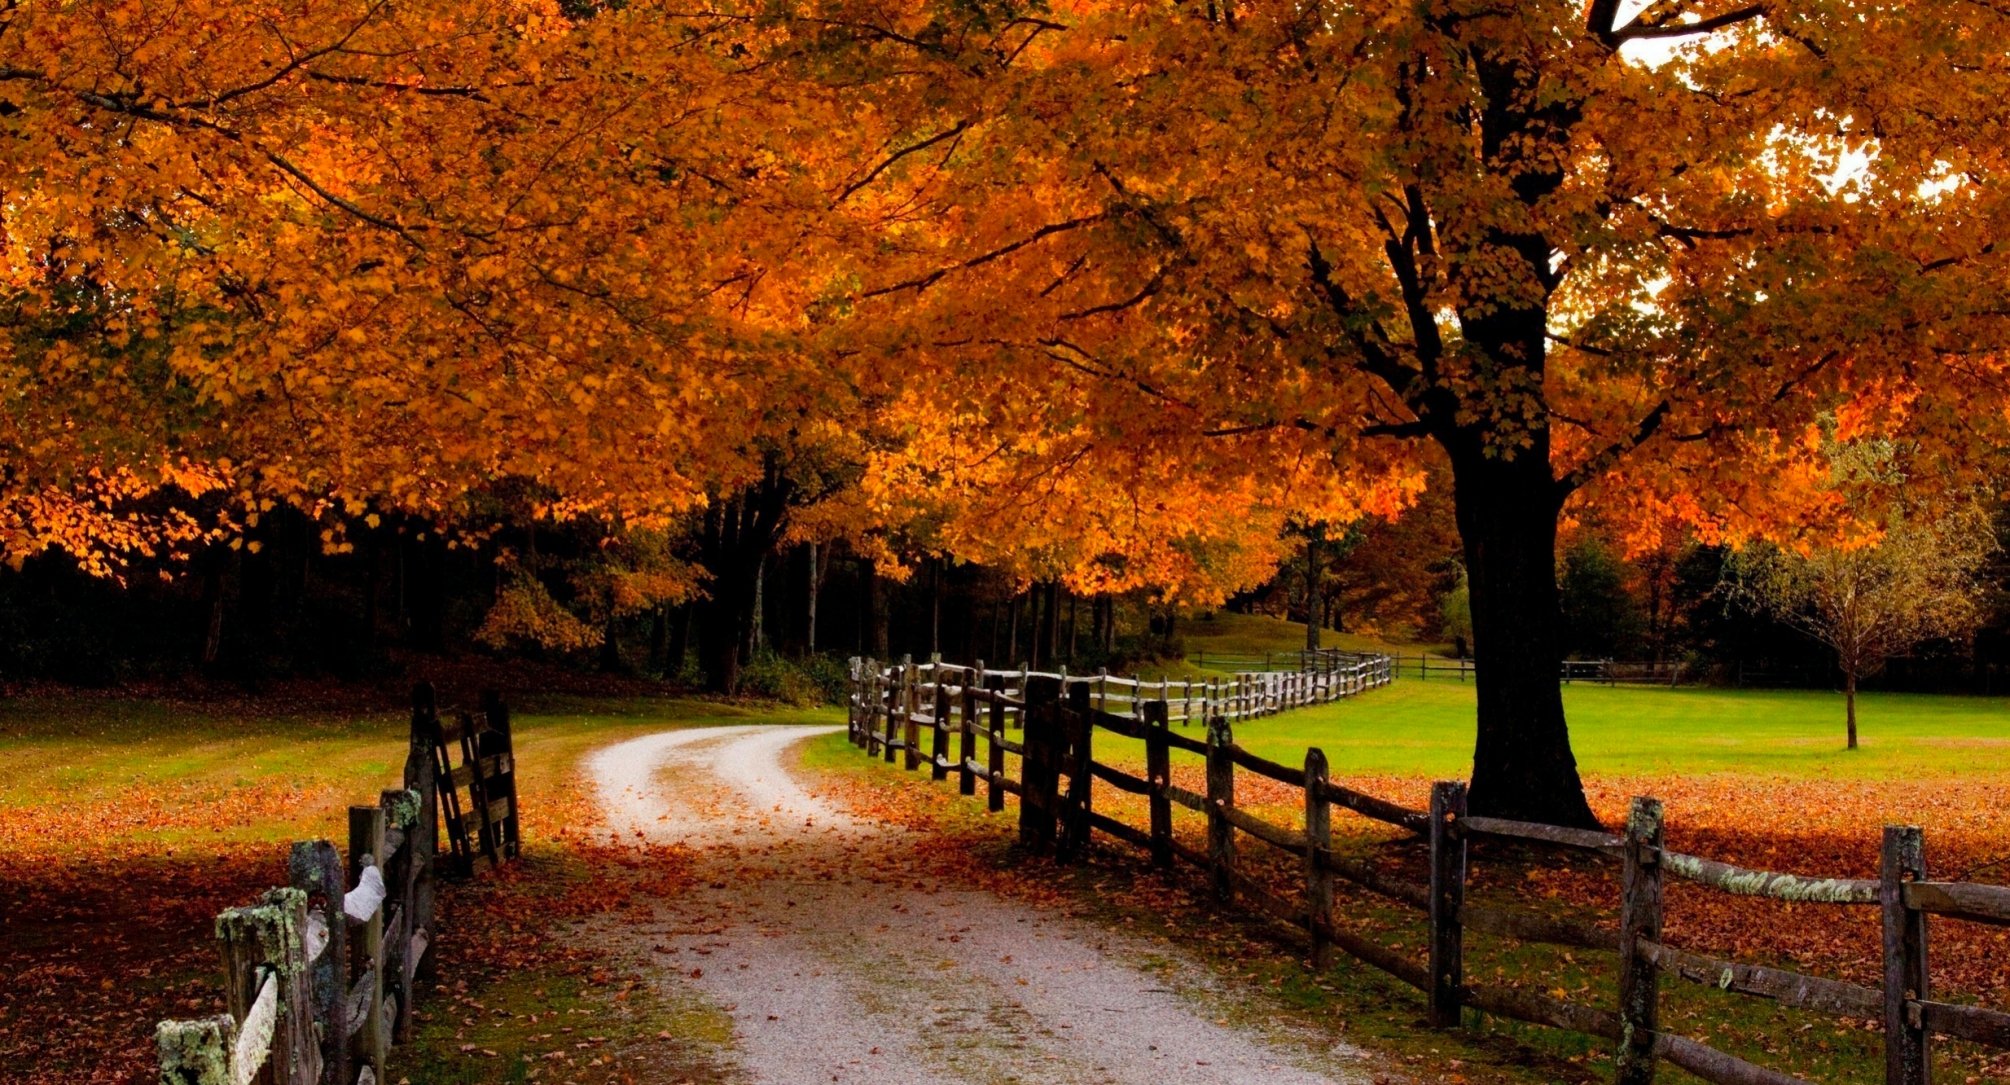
{"x":1058,"y":718}
{"x":320,"y":975}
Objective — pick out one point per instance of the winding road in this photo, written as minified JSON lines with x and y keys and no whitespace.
{"x":841,"y":956}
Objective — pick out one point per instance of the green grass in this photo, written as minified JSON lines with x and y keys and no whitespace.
{"x":1419,"y":728}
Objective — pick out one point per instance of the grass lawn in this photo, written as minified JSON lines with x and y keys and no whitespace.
{"x":1425,"y":728}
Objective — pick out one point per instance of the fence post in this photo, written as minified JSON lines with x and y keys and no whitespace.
{"x":315,"y":868}
{"x":422,"y":772}
{"x":195,"y":1052}
{"x":1318,"y":842}
{"x":995,"y":793}
{"x":890,"y":699}
{"x":270,"y":937}
{"x":1907,"y":1051}
{"x":1078,"y":731}
{"x":1639,"y":920}
{"x":366,"y":843}
{"x":966,"y":735}
{"x":1448,"y":895}
{"x":939,"y":742}
{"x":1158,"y":774}
{"x":910,"y":706}
{"x":1220,"y":794}
{"x":1038,"y":780}
{"x":401,"y":884}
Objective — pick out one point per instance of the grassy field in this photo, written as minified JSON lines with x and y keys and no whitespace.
{"x":126,"y":825}
{"x":1224,"y":633}
{"x":1419,"y":728}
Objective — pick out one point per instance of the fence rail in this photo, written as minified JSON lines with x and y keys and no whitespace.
{"x":319,"y":975}
{"x":1608,"y":672}
{"x":1056,"y":785}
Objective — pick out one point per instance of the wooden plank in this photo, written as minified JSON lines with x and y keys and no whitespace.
{"x":1274,"y":835}
{"x":1608,"y":843}
{"x":1417,"y":821}
{"x":362,"y":903}
{"x":1119,"y":779}
{"x":1744,"y":881}
{"x":1126,"y":833}
{"x":253,"y":1046}
{"x":1976,"y":1024}
{"x":1262,"y":766}
{"x":1190,"y":745}
{"x":1541,"y":1009}
{"x":1715,"y":1066}
{"x":1528,"y":927}
{"x":1971,"y":901}
{"x":1367,"y":877}
{"x":1158,"y":773}
{"x":1188,"y":799}
{"x":1781,"y":985}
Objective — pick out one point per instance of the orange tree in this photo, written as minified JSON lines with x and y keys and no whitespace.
{"x":1583,"y":254}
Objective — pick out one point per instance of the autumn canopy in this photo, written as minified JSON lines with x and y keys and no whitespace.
{"x":1106,"y":291}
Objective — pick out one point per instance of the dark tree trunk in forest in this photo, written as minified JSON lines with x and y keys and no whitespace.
{"x":610,"y":646}
{"x":872,"y":611}
{"x":739,"y":533}
{"x":1506,"y":508}
{"x":1315,"y":581}
{"x":680,"y":641}
{"x":1012,"y":630}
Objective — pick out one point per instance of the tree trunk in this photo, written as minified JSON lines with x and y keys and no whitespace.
{"x":1012,"y":631}
{"x":1522,"y":763}
{"x":610,"y":646}
{"x":1849,"y":706}
{"x":1315,"y":571}
{"x":810,"y":615}
{"x":874,"y":614}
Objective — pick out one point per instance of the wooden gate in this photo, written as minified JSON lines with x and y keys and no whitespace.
{"x":476,"y":770}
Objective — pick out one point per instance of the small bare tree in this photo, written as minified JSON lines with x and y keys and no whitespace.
{"x":1919,"y":581}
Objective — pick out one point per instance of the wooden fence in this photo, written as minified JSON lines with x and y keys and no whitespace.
{"x":1607,"y":672}
{"x":319,"y":975}
{"x":1056,"y":787}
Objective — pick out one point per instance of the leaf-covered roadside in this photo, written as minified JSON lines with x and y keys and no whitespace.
{"x":1816,"y":826}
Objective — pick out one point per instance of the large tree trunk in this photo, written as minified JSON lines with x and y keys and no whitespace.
{"x":1522,"y":763}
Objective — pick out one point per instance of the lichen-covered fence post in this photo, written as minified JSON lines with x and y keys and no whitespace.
{"x":365,"y":909}
{"x":315,"y":868}
{"x":268,"y":989}
{"x":1220,"y":795}
{"x":1639,"y":921}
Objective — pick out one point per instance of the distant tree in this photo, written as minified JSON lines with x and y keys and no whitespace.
{"x":1921,"y":580}
{"x":1601,"y":618}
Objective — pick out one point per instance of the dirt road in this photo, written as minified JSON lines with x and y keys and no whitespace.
{"x":840,"y":956}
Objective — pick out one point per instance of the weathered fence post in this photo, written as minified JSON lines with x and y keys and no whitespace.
{"x":423,"y":838}
{"x":1907,"y":1051}
{"x":1639,"y":921}
{"x":366,"y":843}
{"x":401,"y":811}
{"x":995,"y":794}
{"x":1448,"y":895}
{"x":966,"y":735}
{"x":270,"y":938}
{"x":195,"y":1052}
{"x":1318,"y":842}
{"x":895,"y":686}
{"x":1038,"y":778}
{"x":315,"y":868}
{"x":910,"y":707}
{"x":1079,"y":730}
{"x":938,"y":759}
{"x":1158,"y":774}
{"x":1220,"y":794}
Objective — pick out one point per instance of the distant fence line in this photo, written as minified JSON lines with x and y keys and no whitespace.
{"x":1055,"y":786}
{"x":319,"y":975}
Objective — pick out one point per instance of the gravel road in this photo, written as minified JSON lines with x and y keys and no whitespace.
{"x":842,"y":957}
